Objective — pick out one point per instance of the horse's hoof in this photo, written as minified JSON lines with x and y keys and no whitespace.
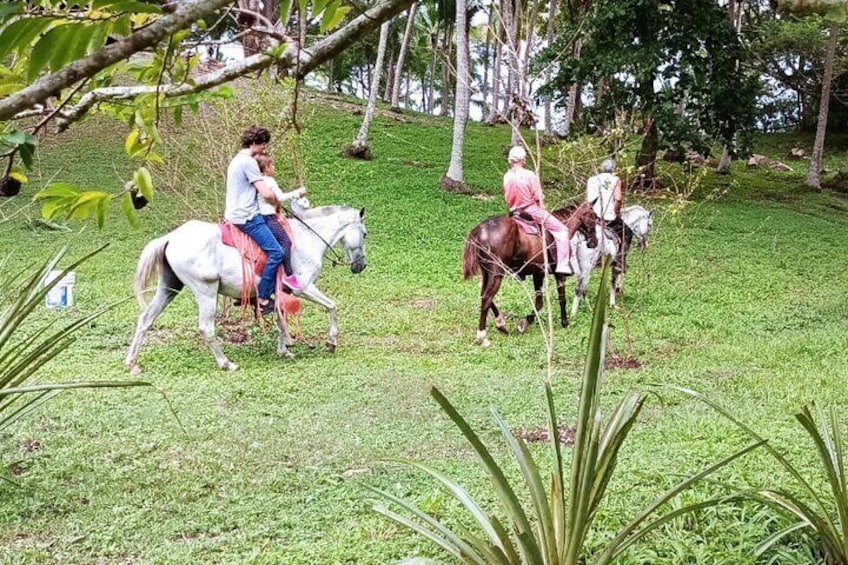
{"x":230,"y":366}
{"x":135,"y":370}
{"x":503,"y":329}
{"x":486,"y":343}
{"x":522,"y":326}
{"x":564,"y":324}
{"x":331,"y":347}
{"x":285,"y":354}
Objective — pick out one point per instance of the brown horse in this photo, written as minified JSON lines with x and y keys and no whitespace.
{"x":498,"y":245}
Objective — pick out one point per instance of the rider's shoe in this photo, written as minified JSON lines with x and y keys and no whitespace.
{"x":292,"y":282}
{"x":268,"y":308}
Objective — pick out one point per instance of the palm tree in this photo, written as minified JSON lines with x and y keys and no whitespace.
{"x":454,"y":179}
{"x":814,"y":174}
{"x":360,"y":148}
{"x":404,"y":49}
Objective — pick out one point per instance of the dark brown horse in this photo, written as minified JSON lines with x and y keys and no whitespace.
{"x":498,"y":246}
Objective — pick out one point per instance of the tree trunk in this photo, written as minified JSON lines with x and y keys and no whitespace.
{"x":496,"y":71}
{"x":454,"y":178}
{"x":552,"y":14}
{"x":724,"y":162}
{"x":360,"y":148}
{"x":511,"y":22}
{"x":647,"y":155}
{"x":447,"y":51}
{"x":404,"y":49}
{"x":573,"y":99}
{"x":434,"y":53}
{"x":814,"y":174}
{"x":487,"y":61}
{"x":390,"y":78}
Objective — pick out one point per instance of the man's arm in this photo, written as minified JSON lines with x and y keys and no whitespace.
{"x":265,"y":191}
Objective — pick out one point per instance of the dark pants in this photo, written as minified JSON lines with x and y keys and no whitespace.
{"x":257,"y":229}
{"x":282,"y":238}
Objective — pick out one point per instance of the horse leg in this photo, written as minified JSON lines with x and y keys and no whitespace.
{"x":283,"y":337}
{"x":486,"y":301}
{"x":563,"y":314}
{"x":500,"y":321}
{"x":525,"y":323}
{"x":169,"y":287}
{"x":587,"y":259}
{"x":312,"y":294}
{"x":206,"y":295}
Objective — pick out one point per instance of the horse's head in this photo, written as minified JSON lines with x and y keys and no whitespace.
{"x":640,"y":221}
{"x":353,"y":241}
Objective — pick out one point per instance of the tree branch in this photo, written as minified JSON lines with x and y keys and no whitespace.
{"x":184,"y":15}
{"x":315,"y":56}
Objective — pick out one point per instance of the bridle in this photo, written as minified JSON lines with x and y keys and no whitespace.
{"x":337,"y":259}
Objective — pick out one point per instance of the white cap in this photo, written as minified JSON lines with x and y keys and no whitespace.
{"x":516,"y":154}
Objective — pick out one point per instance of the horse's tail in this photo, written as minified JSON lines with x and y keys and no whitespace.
{"x":149,"y":264}
{"x":470,"y":260}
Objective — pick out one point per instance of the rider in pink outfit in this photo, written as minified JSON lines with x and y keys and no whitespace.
{"x":523,"y":194}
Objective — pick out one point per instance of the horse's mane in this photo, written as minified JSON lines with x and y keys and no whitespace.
{"x":324,"y":211}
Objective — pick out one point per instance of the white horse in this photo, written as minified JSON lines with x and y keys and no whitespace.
{"x":586,"y":259}
{"x":194,"y":256}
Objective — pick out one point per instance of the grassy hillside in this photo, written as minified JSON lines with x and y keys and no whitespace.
{"x":739,"y":296}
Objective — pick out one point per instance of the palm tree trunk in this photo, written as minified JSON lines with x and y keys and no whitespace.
{"x":814,"y":174}
{"x":390,"y":79}
{"x":463,"y":92}
{"x":401,"y":61}
{"x":360,"y":148}
{"x":552,"y":14}
{"x":496,"y":71}
{"x":447,"y":51}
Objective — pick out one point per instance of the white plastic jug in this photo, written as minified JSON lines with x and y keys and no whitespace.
{"x":61,"y":295}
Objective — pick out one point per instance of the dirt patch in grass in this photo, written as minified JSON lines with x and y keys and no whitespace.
{"x":541,"y":434}
{"x":616,"y":361}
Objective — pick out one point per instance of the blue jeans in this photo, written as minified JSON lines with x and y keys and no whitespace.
{"x":258,"y":231}
{"x":283,"y":238}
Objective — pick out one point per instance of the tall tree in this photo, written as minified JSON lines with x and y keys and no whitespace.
{"x":652,"y":55}
{"x":454,"y":179}
{"x":361,"y":147}
{"x":814,"y":173}
{"x":404,"y":49}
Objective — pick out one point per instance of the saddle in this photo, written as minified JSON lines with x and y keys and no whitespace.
{"x":525,"y":223}
{"x":253,"y":263}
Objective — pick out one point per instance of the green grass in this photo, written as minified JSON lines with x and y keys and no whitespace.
{"x":740,"y":296}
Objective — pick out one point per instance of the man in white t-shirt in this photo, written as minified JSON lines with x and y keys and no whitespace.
{"x":604,"y":195}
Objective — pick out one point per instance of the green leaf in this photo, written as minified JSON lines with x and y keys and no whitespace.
{"x":338,"y":15}
{"x":131,"y":145}
{"x":9,"y":9}
{"x":27,"y":153}
{"x":18,"y":35}
{"x":285,"y":10}
{"x":144,"y":182}
{"x":129,"y":210}
{"x":87,"y":204}
{"x":318,"y":5}
{"x":130,"y":6}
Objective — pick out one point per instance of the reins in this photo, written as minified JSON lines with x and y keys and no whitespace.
{"x":337,"y":259}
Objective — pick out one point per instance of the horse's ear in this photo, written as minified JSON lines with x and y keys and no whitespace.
{"x":362,"y":213}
